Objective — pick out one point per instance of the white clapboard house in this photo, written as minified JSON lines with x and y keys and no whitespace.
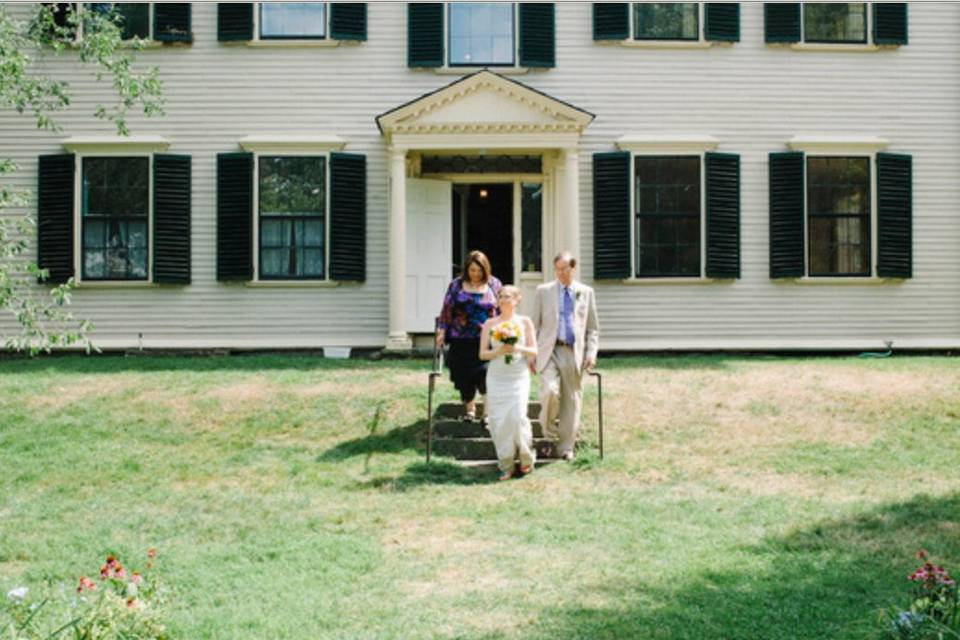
{"x":751,"y":176}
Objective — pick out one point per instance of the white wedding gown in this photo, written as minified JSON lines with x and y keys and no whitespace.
{"x":508,"y":390}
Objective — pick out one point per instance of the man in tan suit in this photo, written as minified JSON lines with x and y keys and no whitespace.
{"x":568,"y":335}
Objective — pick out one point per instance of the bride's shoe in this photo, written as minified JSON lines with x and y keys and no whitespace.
{"x":526,"y":470}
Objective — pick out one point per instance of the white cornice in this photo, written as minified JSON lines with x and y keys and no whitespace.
{"x":113,"y":144}
{"x":279,"y":143}
{"x":837,"y":144}
{"x":667,"y":143}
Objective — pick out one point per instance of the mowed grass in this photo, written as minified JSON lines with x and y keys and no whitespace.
{"x":740,"y":497}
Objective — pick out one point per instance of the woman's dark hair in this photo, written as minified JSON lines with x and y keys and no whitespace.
{"x":480,"y":259}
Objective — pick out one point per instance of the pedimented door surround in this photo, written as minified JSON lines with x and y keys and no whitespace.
{"x":482,"y":113}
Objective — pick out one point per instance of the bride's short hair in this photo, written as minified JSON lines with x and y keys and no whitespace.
{"x":510,"y":291}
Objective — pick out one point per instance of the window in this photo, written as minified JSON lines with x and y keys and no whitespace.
{"x":133,"y":18}
{"x":831,"y":22}
{"x":668,"y":211}
{"x":838,"y":216}
{"x":115,"y":210}
{"x":293,"y":20}
{"x":531,"y":234}
{"x":481,"y":34}
{"x":292,"y":217}
{"x":667,"y":21}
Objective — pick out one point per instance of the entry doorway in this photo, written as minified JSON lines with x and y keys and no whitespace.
{"x":482,"y":219}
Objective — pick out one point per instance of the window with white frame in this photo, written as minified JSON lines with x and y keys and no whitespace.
{"x":666,"y":21}
{"x":481,"y":34}
{"x":667,"y":216}
{"x":838,"y":215}
{"x":292,"y":217}
{"x":835,"y":22}
{"x":115,"y":214}
{"x":293,"y":20}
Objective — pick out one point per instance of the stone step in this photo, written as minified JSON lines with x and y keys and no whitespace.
{"x":455,"y":409}
{"x":483,"y":449}
{"x":457,"y":429}
{"x":491,"y":465}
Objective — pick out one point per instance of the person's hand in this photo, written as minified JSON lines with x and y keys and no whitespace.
{"x":440,"y":340}
{"x":590,"y":363}
{"x":532,"y":365}
{"x":510,"y":348}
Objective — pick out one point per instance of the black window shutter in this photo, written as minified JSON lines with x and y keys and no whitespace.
{"x":723,"y":215}
{"x":55,"y":200}
{"x":348,"y":216}
{"x":781,"y":21}
{"x":786,"y":214}
{"x":171,"y":219}
{"x":722,"y":21}
{"x":425,"y":34}
{"x":894,"y":215}
{"x":348,"y":20}
{"x":171,"y":22}
{"x":890,"y":22}
{"x":537,"y":34}
{"x":611,"y":215}
{"x":234,"y":216}
{"x":234,"y":21}
{"x":611,"y":20}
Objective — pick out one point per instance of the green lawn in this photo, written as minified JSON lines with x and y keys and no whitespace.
{"x":740,"y":498}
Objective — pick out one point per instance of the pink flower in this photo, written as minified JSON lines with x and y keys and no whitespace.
{"x":151,"y":553}
{"x":137,"y":578}
{"x":86,"y":584}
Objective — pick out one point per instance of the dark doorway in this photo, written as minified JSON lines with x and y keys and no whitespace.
{"x":483,"y":220}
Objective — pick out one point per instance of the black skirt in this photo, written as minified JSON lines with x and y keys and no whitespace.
{"x":468,"y":372}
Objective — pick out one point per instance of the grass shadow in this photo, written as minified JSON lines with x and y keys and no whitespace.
{"x":411,"y":436}
{"x":436,"y":472}
{"x":828,"y":580}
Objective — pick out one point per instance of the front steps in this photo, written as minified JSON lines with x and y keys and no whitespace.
{"x":470,"y":443}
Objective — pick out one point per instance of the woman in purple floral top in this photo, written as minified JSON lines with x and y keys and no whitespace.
{"x":470,"y":300}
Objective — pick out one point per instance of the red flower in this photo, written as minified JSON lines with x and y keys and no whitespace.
{"x":86,"y":584}
{"x":151,"y":553}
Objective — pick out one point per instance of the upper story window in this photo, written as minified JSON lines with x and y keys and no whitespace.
{"x":115,"y":208}
{"x":838,"y":215}
{"x":133,"y":18}
{"x":668,"y":212}
{"x":836,"y":25}
{"x":292,"y":209}
{"x":831,"y":22}
{"x":481,"y":34}
{"x":293,"y":20}
{"x":666,"y":21}
{"x":157,"y":21}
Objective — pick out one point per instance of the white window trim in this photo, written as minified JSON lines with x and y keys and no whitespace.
{"x":459,"y":70}
{"x":867,"y":46}
{"x":257,"y":41}
{"x":700,"y":43}
{"x":285,"y":150}
{"x":115,"y":145}
{"x":114,"y":150}
{"x":658,"y":145}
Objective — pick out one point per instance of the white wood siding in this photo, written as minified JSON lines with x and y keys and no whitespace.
{"x":752,"y":97}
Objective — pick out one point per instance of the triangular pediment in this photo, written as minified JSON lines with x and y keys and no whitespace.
{"x":484,"y":102}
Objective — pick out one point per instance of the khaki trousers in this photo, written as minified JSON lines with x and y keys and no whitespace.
{"x":561,"y":395}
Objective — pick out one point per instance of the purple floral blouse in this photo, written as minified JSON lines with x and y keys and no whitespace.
{"x":464,"y":312}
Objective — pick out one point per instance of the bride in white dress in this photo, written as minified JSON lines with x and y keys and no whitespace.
{"x":508,"y":385}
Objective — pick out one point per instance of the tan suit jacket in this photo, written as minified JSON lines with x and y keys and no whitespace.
{"x":546,"y":321}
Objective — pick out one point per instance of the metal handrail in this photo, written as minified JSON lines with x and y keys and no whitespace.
{"x":432,"y":385}
{"x":599,"y":376}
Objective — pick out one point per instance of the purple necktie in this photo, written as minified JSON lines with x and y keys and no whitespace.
{"x":568,"y":316}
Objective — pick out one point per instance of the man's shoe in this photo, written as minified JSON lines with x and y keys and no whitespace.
{"x":568,"y":456}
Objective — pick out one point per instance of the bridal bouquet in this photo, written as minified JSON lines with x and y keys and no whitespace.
{"x":507,"y":332}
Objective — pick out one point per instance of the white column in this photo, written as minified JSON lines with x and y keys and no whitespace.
{"x":398,"y":339}
{"x":570,"y":203}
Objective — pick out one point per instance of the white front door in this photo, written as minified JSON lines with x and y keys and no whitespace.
{"x":429,"y":251}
